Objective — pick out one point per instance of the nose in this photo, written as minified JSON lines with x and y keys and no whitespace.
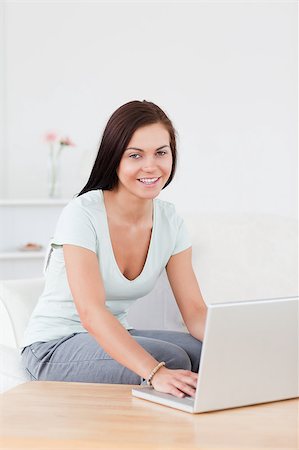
{"x":148,"y":169}
{"x":149,"y":164}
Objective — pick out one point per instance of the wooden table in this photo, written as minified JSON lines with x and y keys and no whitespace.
{"x":47,"y":415}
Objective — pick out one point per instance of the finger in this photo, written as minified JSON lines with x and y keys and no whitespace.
{"x":186,"y":388}
{"x":176,"y":392}
{"x":188,"y":380}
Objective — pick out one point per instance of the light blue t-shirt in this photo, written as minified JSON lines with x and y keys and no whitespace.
{"x":83,"y":222}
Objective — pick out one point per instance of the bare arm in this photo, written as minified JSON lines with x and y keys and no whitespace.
{"x":187,"y":293}
{"x":88,"y":292}
{"x":87,"y":289}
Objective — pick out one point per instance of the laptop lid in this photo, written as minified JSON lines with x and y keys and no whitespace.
{"x":249,"y":354}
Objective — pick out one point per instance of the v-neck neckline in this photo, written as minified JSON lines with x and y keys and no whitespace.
{"x":111,"y":247}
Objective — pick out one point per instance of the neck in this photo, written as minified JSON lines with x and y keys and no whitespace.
{"x":127,"y":208}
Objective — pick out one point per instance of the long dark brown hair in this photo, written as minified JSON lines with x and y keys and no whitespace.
{"x":116,"y":136}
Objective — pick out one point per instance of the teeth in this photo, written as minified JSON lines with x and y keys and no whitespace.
{"x":148,"y":180}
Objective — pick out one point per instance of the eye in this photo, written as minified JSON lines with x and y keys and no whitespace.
{"x":134,"y":156}
{"x":161,"y":153}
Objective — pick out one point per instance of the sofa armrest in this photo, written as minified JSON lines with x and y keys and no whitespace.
{"x":17,"y":300}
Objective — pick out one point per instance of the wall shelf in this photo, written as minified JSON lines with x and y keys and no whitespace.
{"x":22,"y":255}
{"x":23,"y":221}
{"x":34,"y":202}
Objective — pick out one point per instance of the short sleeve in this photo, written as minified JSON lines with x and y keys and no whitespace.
{"x":183,"y":240}
{"x":75,"y":227}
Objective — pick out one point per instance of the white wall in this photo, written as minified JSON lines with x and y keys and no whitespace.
{"x":2,"y":101}
{"x":225,"y":72}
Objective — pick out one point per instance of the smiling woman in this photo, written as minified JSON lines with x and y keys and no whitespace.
{"x":110,"y":246}
{"x":150,"y":166}
{"x":122,"y":133}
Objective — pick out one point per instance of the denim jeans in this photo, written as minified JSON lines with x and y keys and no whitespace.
{"x":79,"y":357}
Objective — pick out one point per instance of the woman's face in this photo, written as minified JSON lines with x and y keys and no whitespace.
{"x":146,"y":162}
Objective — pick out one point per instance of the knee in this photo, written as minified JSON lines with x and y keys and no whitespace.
{"x":177,"y":358}
{"x":194,"y":352}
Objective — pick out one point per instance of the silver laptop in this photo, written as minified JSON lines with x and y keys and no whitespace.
{"x":249,"y":356}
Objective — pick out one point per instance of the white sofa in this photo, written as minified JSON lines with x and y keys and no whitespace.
{"x":235,"y":257}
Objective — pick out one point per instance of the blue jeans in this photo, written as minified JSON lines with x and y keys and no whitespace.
{"x":79,"y":357}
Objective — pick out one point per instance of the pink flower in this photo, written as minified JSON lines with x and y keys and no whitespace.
{"x":66,"y":141}
{"x":50,"y":137}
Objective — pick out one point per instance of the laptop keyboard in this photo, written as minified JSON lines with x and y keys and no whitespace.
{"x":187,"y":400}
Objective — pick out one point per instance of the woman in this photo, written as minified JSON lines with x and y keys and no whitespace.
{"x":111,"y":244}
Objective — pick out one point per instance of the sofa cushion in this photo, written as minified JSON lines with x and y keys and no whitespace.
{"x":11,"y":371}
{"x":17,"y":300}
{"x":244,"y":256}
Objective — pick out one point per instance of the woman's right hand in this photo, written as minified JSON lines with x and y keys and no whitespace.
{"x":177,"y":382}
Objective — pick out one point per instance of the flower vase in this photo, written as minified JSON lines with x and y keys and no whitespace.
{"x":54,"y":183}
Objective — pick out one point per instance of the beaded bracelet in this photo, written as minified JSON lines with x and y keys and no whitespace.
{"x":155,"y":369}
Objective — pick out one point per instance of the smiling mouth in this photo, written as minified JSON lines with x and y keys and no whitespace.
{"x":149,"y":181}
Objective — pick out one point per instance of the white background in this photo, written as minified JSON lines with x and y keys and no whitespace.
{"x":225,"y":72}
